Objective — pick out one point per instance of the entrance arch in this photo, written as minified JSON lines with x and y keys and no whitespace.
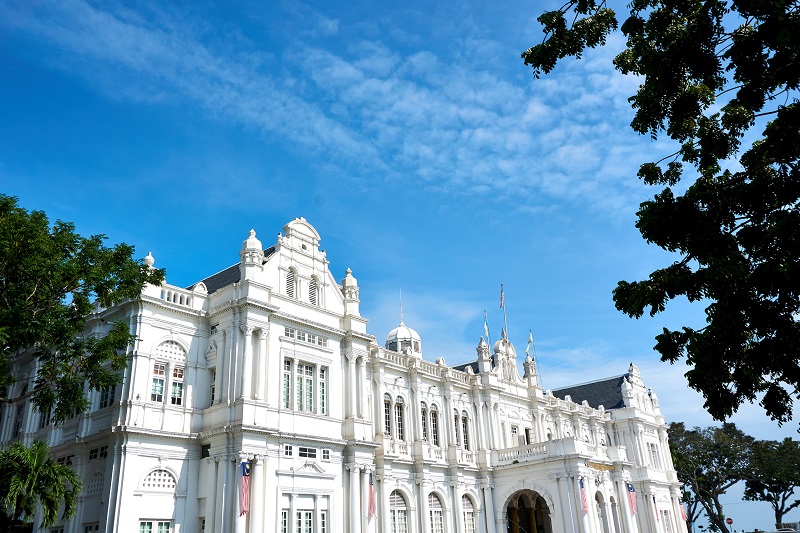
{"x":528,"y":512}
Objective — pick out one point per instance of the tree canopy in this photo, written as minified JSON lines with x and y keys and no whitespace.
{"x":30,"y":479}
{"x":709,"y":461}
{"x":720,"y":79}
{"x":774,"y":474}
{"x":51,"y":278}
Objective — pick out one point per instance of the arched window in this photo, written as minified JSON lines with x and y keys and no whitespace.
{"x":387,"y":414}
{"x":434,"y":426}
{"x":398,"y":415}
{"x":313,"y":291}
{"x":469,"y":514}
{"x":436,"y":512}
{"x":398,"y":513}
{"x":457,"y":426}
{"x":160,"y":479}
{"x":424,"y":419}
{"x":291,"y":283}
{"x":465,"y":430}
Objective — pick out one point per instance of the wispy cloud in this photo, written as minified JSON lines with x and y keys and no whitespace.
{"x":372,"y":108}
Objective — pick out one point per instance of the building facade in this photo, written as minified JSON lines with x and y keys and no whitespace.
{"x":258,"y":389}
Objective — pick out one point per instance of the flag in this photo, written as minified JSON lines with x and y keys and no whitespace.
{"x":683,"y":513}
{"x":371,"y":510}
{"x":244,"y":489}
{"x":502,"y":297}
{"x":655,"y":507}
{"x":631,"y":496}
{"x":485,"y":325}
{"x":530,"y":342}
{"x":583,"y":497}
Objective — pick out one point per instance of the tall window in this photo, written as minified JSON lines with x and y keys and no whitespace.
{"x":323,"y":381}
{"x":44,"y":419}
{"x":287,"y":384}
{"x":304,"y":522}
{"x":285,"y":521}
{"x":313,"y":291}
{"x":212,"y":377}
{"x":310,"y":384}
{"x":304,"y":387}
{"x":323,"y":522}
{"x":107,"y":397}
{"x":469,"y":514}
{"x":655,"y":458}
{"x":159,"y":374}
{"x":387,"y":414}
{"x":398,"y":415}
{"x":434,"y":426}
{"x":424,"y":419}
{"x":398,"y":513}
{"x":290,"y":283}
{"x":436,"y":512}
{"x":457,"y":424}
{"x":176,"y":395}
{"x":465,"y":430}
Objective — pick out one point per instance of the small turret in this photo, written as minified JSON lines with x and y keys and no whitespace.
{"x":350,"y":293}
{"x":251,"y":256}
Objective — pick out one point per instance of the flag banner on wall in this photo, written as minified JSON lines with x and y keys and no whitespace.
{"x":683,"y":513}
{"x":371,"y":509}
{"x":655,"y":507}
{"x":244,"y":489}
{"x":631,"y":496}
{"x":583,"y":497}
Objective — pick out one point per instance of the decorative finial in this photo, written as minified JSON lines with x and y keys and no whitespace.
{"x":252,"y":232}
{"x":150,"y":260}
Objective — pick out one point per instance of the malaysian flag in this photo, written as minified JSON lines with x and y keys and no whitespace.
{"x":371,"y":509}
{"x":683,"y":513}
{"x":631,"y":496}
{"x":583,"y":497}
{"x":655,"y":507}
{"x":486,"y":325}
{"x":502,"y":297}
{"x":244,"y":489}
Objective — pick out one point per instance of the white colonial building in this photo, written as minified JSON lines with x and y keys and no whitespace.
{"x":269,"y":363}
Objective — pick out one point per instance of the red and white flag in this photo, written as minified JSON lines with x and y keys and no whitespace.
{"x":371,"y":509}
{"x":631,"y":496}
{"x":683,"y":513}
{"x":244,"y":489}
{"x":583,"y":497}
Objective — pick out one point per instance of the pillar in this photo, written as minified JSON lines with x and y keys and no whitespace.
{"x":257,"y":499}
{"x":261,"y":365}
{"x":355,"y":502}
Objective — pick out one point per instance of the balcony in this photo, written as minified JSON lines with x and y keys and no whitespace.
{"x":540,"y":451}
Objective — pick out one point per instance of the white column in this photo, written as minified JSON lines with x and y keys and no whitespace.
{"x":383,"y":510}
{"x":566,"y":505}
{"x":352,"y":385}
{"x":355,"y":503}
{"x":424,"y":517}
{"x":488,"y":508}
{"x":247,"y":365}
{"x":624,"y":506}
{"x":261,"y":365}
{"x":458,"y":519}
{"x":257,"y":500}
{"x":361,"y":382}
{"x":219,"y":507}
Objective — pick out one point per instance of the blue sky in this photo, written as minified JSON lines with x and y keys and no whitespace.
{"x":410,"y":135}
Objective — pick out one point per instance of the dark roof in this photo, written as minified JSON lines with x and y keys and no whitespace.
{"x":463,"y":367}
{"x":605,"y":392}
{"x":228,"y":276}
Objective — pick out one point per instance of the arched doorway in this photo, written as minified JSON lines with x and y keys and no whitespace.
{"x":527,"y":512}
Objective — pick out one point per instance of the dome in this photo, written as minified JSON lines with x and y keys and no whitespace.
{"x":504,"y":346}
{"x":403,"y":337}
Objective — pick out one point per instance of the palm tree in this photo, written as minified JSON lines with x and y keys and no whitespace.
{"x":31,"y":479}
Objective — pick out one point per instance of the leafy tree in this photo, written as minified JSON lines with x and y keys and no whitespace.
{"x":713,"y":73}
{"x":30,"y":479}
{"x":693,"y":509}
{"x":50,"y":280}
{"x":710,"y":461}
{"x":775,"y":473}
